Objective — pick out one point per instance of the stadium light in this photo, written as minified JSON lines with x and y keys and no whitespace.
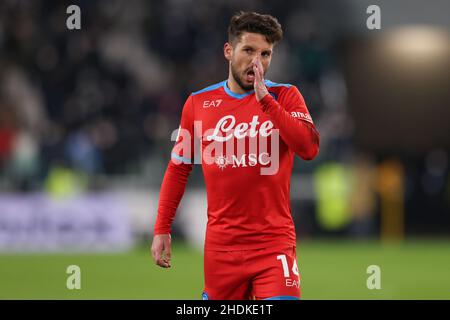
{"x":417,"y":43}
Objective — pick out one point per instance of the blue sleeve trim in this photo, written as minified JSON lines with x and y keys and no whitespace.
{"x":283,"y":298}
{"x":182,"y":159}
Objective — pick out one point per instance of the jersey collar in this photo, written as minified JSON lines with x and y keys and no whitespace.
{"x":235,"y":95}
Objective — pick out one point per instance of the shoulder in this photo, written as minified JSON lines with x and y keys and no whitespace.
{"x":271,"y":84}
{"x":209,"y":89}
{"x":206,"y":96}
{"x":279,"y":90}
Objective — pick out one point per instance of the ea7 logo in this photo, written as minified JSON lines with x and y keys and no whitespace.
{"x":211,"y":103}
{"x":297,"y":114}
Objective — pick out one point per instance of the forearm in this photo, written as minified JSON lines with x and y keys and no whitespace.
{"x":301,"y":136}
{"x":172,"y":190}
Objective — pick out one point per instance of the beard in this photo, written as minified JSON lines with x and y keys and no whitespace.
{"x":238,"y":80}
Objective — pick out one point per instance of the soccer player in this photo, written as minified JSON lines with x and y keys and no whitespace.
{"x":250,"y":244}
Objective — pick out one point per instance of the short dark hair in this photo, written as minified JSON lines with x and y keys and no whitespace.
{"x":264,"y":24}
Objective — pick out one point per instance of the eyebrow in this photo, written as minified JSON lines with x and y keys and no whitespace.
{"x":247,"y":46}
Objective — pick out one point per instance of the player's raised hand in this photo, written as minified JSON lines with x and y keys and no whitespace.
{"x":259,"y":85}
{"x":161,"y":250}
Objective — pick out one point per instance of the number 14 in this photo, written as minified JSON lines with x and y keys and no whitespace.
{"x":283,"y":259}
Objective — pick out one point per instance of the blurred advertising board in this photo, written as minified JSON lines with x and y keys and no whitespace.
{"x":89,"y":222}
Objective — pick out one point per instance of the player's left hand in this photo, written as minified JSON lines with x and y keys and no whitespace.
{"x":259,"y":85}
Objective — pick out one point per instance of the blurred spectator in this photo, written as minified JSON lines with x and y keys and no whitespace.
{"x":107,"y":98}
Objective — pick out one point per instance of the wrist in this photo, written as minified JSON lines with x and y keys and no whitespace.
{"x":261,"y":94}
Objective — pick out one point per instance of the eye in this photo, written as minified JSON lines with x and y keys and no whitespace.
{"x":266,"y":54}
{"x":248,"y":50}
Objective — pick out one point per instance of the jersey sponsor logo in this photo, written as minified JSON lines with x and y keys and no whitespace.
{"x":244,"y":160}
{"x":226,"y":128}
{"x":203,"y":147}
{"x":211,"y":103}
{"x":298,"y":114}
{"x":292,"y":283}
{"x":221,"y":162}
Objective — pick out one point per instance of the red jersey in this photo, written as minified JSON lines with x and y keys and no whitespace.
{"x":247,"y":207}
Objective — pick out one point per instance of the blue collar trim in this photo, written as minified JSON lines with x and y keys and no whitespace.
{"x":235,"y":95}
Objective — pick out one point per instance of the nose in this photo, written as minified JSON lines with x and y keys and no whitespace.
{"x":255,"y":57}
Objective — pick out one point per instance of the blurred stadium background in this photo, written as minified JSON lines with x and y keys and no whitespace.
{"x":85,"y":123}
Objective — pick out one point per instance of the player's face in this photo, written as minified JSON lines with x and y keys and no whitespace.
{"x":243,"y":55}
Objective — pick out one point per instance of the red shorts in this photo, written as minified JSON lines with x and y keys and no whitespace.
{"x":268,"y":273}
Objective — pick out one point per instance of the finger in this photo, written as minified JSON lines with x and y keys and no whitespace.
{"x":157,"y":257}
{"x":160,"y":262}
{"x":163,"y":263}
{"x":260,"y":67}
{"x":257,"y":75}
{"x":167,"y":262}
{"x":168,"y":251}
{"x":156,"y":253}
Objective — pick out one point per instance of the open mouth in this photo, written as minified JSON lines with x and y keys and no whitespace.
{"x":250,"y":75}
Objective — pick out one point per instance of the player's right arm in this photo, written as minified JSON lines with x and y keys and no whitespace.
{"x":173,"y":186}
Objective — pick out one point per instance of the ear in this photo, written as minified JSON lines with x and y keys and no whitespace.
{"x":228,"y":51}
